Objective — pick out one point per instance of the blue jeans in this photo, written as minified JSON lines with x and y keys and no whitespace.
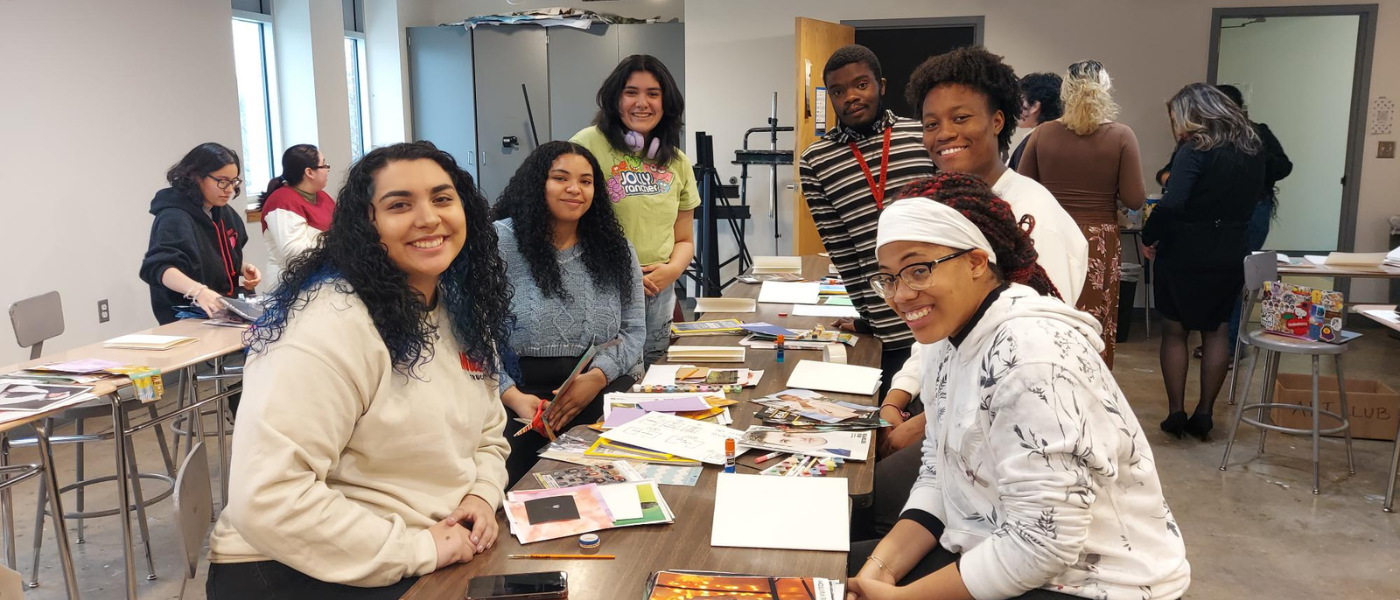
{"x":1255,"y":234}
{"x":660,"y":312}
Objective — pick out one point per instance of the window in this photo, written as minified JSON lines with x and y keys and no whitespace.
{"x":257,"y":102}
{"x":357,"y":84}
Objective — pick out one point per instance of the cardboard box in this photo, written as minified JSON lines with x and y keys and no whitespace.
{"x":1375,"y":408}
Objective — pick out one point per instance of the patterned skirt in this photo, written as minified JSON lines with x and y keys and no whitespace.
{"x":1099,"y":297}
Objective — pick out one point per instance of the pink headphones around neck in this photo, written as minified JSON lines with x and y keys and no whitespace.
{"x":635,"y":141}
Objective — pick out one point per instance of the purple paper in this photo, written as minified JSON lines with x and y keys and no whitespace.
{"x":767,"y":328}
{"x":622,"y":416}
{"x":673,"y":405}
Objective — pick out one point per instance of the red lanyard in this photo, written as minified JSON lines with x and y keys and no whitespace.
{"x":877,"y":192}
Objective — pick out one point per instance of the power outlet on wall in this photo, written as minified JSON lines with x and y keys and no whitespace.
{"x":1385,"y":150}
{"x":104,"y":313}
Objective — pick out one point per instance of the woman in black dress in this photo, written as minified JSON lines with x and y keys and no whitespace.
{"x":1197,"y":236}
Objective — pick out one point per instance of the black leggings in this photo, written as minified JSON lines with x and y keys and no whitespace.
{"x":937,"y":559}
{"x":271,"y":580}
{"x":540,"y":377}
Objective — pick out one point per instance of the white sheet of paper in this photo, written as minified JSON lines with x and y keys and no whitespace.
{"x":789,"y":292}
{"x":663,"y":374}
{"x":832,"y":377}
{"x":707,"y":354}
{"x":814,"y":515}
{"x":777,"y":264}
{"x":726,"y":305}
{"x":825,"y":310}
{"x":623,"y":501}
{"x":1315,"y":259}
{"x":686,"y":438}
{"x":1382,"y":314}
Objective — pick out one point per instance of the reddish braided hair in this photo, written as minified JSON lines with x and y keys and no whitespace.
{"x":1010,"y":239}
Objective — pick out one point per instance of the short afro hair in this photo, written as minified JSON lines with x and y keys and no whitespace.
{"x":978,"y":69}
{"x":854,"y":53}
{"x":1045,"y":89}
{"x":1233,"y":93}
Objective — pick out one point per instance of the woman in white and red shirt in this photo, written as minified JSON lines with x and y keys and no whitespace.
{"x":296,"y":210}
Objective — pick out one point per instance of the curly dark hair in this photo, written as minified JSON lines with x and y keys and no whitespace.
{"x":197,"y":164}
{"x":1045,"y":89}
{"x":609,"y":117}
{"x":978,"y":69}
{"x":474,"y":289}
{"x":854,"y":53}
{"x":1010,"y":239}
{"x":599,"y":234}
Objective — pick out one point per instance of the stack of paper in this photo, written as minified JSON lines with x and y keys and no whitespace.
{"x":785,"y":292}
{"x":659,"y":374}
{"x":1392,"y":258}
{"x":706,"y":353}
{"x":847,"y":445}
{"x":808,"y":409}
{"x":833,"y":377}
{"x":1349,"y":259}
{"x":537,"y":515}
{"x":807,"y":513}
{"x":148,"y":342}
{"x":725,"y":305}
{"x":699,"y":328}
{"x":763,"y":265}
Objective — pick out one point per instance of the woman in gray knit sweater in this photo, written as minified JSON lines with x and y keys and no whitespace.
{"x":577,"y":285}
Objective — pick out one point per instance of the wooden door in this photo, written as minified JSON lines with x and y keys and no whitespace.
{"x":816,"y":42}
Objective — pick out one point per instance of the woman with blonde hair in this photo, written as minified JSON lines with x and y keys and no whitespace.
{"x":1090,"y":163}
{"x":1198,"y":237}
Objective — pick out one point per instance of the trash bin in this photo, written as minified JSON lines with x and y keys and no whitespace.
{"x":1127,"y":294}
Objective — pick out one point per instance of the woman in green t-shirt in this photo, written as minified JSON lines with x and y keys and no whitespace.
{"x":636,"y":138}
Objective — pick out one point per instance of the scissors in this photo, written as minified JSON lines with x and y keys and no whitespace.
{"x":538,"y":423}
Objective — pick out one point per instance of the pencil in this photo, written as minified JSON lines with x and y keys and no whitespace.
{"x":566,"y":556}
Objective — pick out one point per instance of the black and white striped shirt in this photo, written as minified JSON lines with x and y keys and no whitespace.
{"x":843,"y":206}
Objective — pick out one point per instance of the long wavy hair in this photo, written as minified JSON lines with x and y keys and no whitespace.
{"x":600,"y":237}
{"x":295,"y":161}
{"x":474,"y":289}
{"x":609,"y":117}
{"x":1086,"y":92}
{"x":1010,"y":239}
{"x":1206,"y":118}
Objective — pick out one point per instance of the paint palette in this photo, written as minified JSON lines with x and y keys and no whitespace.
{"x":803,"y":466}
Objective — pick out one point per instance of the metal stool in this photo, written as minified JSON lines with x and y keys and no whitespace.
{"x":1394,"y":466}
{"x":1259,"y":269}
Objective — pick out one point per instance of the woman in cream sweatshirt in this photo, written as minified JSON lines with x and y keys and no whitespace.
{"x":1036,"y":479}
{"x":369,"y":447}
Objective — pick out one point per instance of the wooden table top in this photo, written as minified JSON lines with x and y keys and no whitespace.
{"x":1361,"y":308}
{"x":684,"y":544}
{"x":213,"y":342}
{"x":1312,"y":270}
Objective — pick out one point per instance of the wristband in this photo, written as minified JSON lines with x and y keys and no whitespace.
{"x":881,"y":564}
{"x":194,"y":293}
{"x":903,"y":413}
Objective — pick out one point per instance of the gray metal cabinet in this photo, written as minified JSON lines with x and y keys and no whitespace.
{"x":505,"y":58}
{"x":579,"y":61}
{"x":441,"y":84}
{"x":665,"y":41}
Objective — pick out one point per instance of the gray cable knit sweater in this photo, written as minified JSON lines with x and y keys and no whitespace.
{"x":555,"y":327}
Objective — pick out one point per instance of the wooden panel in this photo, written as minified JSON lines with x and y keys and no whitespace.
{"x":816,"y":41}
{"x":684,"y":544}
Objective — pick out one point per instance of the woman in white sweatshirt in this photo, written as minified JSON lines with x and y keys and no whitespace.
{"x":1036,"y":481}
{"x":369,"y":448}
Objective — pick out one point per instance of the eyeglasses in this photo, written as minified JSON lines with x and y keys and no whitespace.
{"x":226,"y":183}
{"x":327,"y":167}
{"x":917,"y":276}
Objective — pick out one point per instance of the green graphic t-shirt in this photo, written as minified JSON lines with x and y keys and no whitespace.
{"x":646,"y":196}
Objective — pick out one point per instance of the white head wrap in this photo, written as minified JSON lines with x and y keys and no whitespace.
{"x":931,"y":222}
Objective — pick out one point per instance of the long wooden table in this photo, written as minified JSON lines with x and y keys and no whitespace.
{"x":684,"y":544}
{"x":214,"y":343}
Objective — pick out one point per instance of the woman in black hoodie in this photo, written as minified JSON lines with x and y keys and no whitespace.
{"x":196,"y":249}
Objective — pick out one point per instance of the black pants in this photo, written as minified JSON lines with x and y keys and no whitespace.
{"x":540,"y":377}
{"x":937,"y":559}
{"x":271,"y":580}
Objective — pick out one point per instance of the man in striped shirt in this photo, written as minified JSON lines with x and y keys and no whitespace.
{"x":847,"y":178}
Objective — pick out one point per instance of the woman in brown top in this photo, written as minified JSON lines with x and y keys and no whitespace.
{"x":1090,"y":163}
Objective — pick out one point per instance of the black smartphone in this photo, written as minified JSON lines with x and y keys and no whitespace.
{"x":549,"y":585}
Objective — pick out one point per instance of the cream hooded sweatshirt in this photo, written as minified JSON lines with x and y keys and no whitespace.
{"x":1035,"y":464}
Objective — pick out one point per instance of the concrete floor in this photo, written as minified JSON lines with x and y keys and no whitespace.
{"x":1255,"y":531}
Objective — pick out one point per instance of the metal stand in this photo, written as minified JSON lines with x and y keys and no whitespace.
{"x":771,"y":157}
{"x":714,"y":205}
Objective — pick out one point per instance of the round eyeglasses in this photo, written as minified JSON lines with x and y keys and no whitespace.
{"x":917,"y":276}
{"x":226,"y":183}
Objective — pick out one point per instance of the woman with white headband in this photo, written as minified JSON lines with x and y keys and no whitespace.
{"x":1037,"y":481}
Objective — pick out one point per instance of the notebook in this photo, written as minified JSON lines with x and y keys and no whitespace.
{"x":725,"y":305}
{"x":806,"y":513}
{"x":776,"y":264}
{"x":148,"y":342}
{"x":833,"y":377}
{"x":789,"y":292}
{"x":706,"y":353}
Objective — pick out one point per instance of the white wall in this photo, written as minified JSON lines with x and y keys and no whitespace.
{"x":740,"y":51}
{"x":315,"y":101}
{"x":451,"y":11}
{"x":100,"y":99}
{"x":1287,"y":69}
